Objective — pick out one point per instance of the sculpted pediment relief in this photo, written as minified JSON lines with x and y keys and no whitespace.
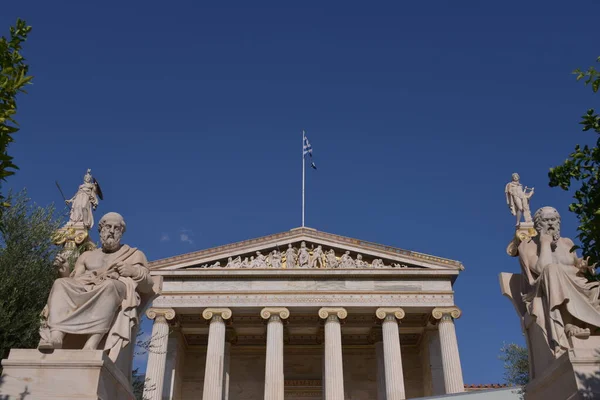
{"x":305,"y":248}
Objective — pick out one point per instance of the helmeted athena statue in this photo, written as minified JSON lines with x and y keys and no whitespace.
{"x":558,"y":303}
{"x":101,"y":298}
{"x":84,"y":202}
{"x":81,"y":218}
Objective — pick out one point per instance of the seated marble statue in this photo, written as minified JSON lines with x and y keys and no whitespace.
{"x":100,"y":298}
{"x":555,"y":291}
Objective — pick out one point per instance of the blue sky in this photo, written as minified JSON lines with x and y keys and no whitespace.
{"x":190,"y":116}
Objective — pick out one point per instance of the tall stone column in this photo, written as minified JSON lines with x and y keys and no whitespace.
{"x":215,"y":353}
{"x":334,"y":372}
{"x":394,"y":376}
{"x":380,"y":370}
{"x":274,"y":380}
{"x":157,"y":352}
{"x":453,"y":379}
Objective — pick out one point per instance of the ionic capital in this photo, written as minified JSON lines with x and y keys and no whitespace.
{"x":209,"y":313}
{"x":339,"y":312}
{"x":167,"y":313}
{"x":440,"y":312}
{"x":383,"y":312}
{"x":280,"y":312}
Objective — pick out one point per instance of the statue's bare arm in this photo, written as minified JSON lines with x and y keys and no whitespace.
{"x":80,"y":264}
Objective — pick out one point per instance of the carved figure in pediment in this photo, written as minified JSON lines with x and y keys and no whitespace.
{"x":317,"y":257}
{"x":234,"y":263}
{"x":346,"y":261}
{"x":259,"y":262}
{"x":215,"y":265}
{"x":360,"y":263}
{"x":396,"y":265}
{"x":275,"y":259}
{"x":332,"y":261}
{"x":245,"y":263}
{"x":290,"y":257}
{"x":377,"y":263}
{"x":303,"y":256}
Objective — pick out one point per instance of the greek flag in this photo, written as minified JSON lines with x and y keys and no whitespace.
{"x":308,"y":150}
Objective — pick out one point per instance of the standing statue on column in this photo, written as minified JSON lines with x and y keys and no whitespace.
{"x":84,"y":202}
{"x":101,"y":297}
{"x":517,"y":199}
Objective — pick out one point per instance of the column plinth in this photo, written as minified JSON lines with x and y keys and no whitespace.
{"x":157,"y":352}
{"x":274,"y":379}
{"x":215,"y":353}
{"x":392,"y":356}
{"x":453,"y":379}
{"x":334,"y":372}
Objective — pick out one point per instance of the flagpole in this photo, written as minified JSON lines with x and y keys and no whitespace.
{"x":303,"y":177}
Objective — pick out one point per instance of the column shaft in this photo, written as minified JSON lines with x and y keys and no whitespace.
{"x":394,"y":376}
{"x":226,"y":365}
{"x":274,"y":381}
{"x":334,"y":372}
{"x":453,"y":378}
{"x":380,"y":371}
{"x":157,"y":357}
{"x":213,"y":373}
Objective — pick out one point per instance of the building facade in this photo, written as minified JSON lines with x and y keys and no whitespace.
{"x":303,"y":315}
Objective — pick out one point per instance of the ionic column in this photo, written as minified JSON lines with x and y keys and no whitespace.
{"x":453,"y":379}
{"x":274,"y":381}
{"x":215,"y":353}
{"x":394,"y":376}
{"x":380,"y":370}
{"x":157,"y":352}
{"x":334,"y":372}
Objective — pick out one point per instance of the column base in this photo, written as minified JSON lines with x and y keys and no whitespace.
{"x":574,"y":375}
{"x":63,"y":374}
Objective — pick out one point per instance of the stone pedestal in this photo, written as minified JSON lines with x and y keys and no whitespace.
{"x":575,"y":376}
{"x":62,"y":374}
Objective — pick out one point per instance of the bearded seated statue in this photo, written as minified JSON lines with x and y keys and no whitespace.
{"x":102,"y":297}
{"x":558,"y":298}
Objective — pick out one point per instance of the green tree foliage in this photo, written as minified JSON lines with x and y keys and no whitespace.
{"x":516,"y":364}
{"x":13,"y":79}
{"x":26,"y":270}
{"x":583,"y":166}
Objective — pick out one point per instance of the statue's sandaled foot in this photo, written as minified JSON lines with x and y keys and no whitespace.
{"x":45,"y":345}
{"x":49,"y":345}
{"x":575,"y":331}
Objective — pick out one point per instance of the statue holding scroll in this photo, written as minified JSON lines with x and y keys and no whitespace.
{"x":101,"y":298}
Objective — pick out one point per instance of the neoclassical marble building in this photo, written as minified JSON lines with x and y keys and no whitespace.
{"x":303,"y":315}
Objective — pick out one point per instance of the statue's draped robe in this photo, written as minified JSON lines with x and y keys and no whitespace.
{"x":101,"y":301}
{"x":559,"y":284}
{"x":81,"y":208}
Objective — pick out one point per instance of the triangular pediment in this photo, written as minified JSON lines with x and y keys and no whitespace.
{"x":304,"y":248}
